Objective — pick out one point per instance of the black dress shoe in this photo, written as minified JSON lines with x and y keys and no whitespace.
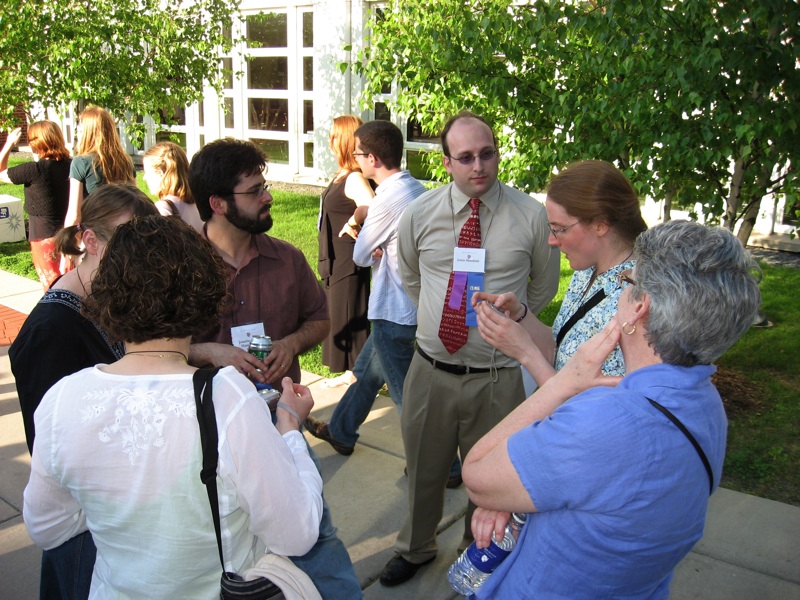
{"x":320,"y":430}
{"x":399,"y":570}
{"x":454,"y":481}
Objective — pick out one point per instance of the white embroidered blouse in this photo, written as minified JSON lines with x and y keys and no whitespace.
{"x":120,"y":456}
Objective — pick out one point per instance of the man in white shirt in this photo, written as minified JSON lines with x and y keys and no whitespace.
{"x":390,"y":346}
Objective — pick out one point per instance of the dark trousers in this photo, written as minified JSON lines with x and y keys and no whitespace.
{"x":67,"y":569}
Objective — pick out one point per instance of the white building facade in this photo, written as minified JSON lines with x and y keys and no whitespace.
{"x":287,"y":88}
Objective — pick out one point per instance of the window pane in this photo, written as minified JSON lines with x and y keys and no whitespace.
{"x":308,"y":30}
{"x":229,"y":124}
{"x":308,"y":154}
{"x":226,"y":64}
{"x":414,"y":133}
{"x":201,"y":114}
{"x":267,"y":31}
{"x":418,"y":165}
{"x":171,"y":136}
{"x":382,"y":112}
{"x":277,"y":151}
{"x":172,"y":116}
{"x":308,"y":116}
{"x":308,"y":73}
{"x":269,"y":113}
{"x":268,"y":73}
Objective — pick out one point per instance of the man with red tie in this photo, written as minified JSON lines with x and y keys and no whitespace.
{"x":474,"y":234}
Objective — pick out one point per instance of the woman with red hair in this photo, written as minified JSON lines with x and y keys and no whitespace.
{"x":46,"y":182}
{"x":346,"y":284}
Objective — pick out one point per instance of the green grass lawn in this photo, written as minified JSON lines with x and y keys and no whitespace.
{"x":763,"y":448}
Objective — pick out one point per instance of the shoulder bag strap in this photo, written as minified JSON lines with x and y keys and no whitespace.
{"x":596,"y":298}
{"x":173,"y":208}
{"x":207,"y":420}
{"x":691,"y":438}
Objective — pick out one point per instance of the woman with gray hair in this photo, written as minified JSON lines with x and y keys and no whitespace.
{"x":617,"y":472}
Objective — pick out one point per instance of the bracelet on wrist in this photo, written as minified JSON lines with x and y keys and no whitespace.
{"x":524,"y":314}
{"x":291,"y":411}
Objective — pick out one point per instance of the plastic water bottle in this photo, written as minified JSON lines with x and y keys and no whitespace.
{"x":475,"y":565}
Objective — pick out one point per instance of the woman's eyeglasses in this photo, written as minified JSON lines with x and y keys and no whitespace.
{"x":556,"y":232}
{"x":624,"y":278}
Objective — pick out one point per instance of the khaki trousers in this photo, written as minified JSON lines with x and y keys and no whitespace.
{"x":443,"y":414}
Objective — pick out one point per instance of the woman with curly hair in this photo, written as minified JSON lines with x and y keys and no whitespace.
{"x":56,"y":341}
{"x":166,"y":172}
{"x":46,"y":182}
{"x":119,"y":449}
{"x":99,"y":158}
{"x":346,"y":284}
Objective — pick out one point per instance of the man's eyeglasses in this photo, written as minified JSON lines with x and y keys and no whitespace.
{"x":560,"y":230}
{"x":360,"y":153}
{"x":257,"y":192}
{"x":624,"y":278}
{"x":485,"y":156}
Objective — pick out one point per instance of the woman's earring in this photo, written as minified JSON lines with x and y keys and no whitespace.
{"x":631,"y":332}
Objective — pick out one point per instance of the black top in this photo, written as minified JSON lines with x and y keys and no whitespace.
{"x":46,"y":194}
{"x":55,"y":341}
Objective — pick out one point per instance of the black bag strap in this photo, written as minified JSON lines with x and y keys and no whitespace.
{"x":206,"y":418}
{"x":596,"y":299}
{"x":691,"y":438}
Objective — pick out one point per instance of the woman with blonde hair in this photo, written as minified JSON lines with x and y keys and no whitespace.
{"x":166,"y":172}
{"x":46,"y":182}
{"x":346,"y":284}
{"x":99,"y":158}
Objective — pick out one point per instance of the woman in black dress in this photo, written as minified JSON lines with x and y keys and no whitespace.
{"x":346,"y":284}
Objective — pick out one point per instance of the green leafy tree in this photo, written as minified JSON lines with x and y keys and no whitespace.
{"x":697,"y":100}
{"x":133,"y":57}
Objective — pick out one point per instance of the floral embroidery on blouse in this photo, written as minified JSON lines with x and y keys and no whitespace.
{"x":595,"y":319}
{"x":139,"y":415}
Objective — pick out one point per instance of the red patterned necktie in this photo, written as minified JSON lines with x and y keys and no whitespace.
{"x":453,"y":329}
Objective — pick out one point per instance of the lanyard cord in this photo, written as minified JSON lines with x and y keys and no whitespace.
{"x":453,"y":219}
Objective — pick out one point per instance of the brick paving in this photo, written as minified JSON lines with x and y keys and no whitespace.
{"x":10,"y":323}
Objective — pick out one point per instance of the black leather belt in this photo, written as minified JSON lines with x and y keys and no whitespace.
{"x":448,"y":368}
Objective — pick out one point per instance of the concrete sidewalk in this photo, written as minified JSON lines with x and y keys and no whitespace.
{"x":751,"y":547}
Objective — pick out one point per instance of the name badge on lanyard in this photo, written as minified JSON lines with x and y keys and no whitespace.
{"x":469,"y":265}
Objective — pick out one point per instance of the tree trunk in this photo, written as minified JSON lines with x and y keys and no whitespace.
{"x":751,"y":214}
{"x":734,"y":200}
{"x":668,"y":204}
{"x":749,"y":220}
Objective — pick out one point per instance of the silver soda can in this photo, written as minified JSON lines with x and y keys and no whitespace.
{"x":260,"y":346}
